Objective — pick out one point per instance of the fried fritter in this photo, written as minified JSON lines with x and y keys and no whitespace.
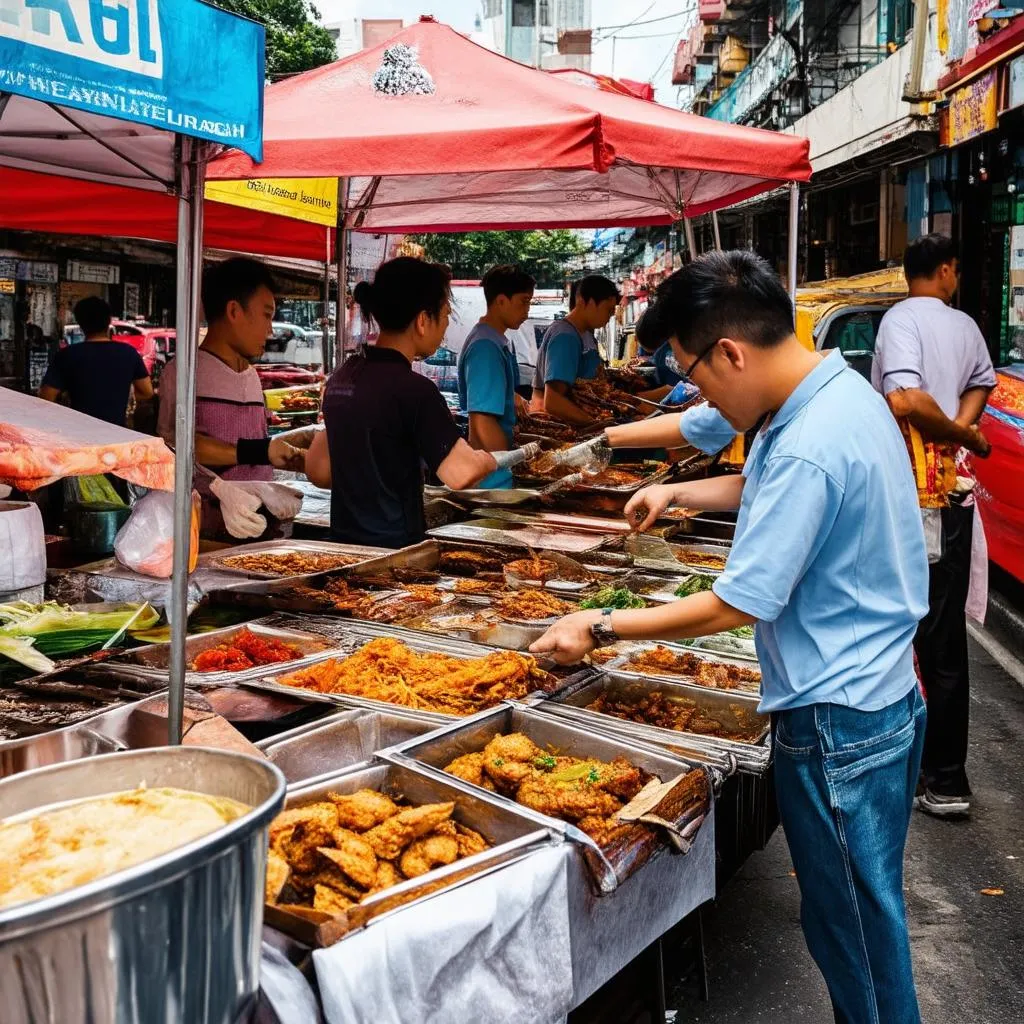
{"x":323,"y":815}
{"x":334,"y":878}
{"x":277,"y":875}
{"x":392,"y":836}
{"x":469,"y":767}
{"x":353,"y":855}
{"x":570,"y":802}
{"x":603,"y":830}
{"x":329,"y":901}
{"x":423,"y":855}
{"x":363,"y":810}
{"x":470,"y":842}
{"x":387,"y":876}
{"x":621,"y":779}
{"x":296,"y":834}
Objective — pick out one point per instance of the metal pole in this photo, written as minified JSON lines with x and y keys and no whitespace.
{"x":714,"y":227}
{"x":190,"y":268}
{"x":325,"y":348}
{"x":794,"y":226}
{"x":341,"y":244}
{"x":691,"y":245}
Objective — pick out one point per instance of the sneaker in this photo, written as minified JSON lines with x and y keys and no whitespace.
{"x":938,"y":805}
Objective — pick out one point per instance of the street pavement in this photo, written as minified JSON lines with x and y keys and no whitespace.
{"x":968,"y":947}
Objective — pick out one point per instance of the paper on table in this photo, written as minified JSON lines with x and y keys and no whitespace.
{"x":494,"y":950}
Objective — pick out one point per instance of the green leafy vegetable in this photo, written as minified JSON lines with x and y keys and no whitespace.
{"x":544,"y":761}
{"x":23,"y":650}
{"x":695,"y":584}
{"x":743,"y":631}
{"x":614,"y":597}
{"x":593,"y":776}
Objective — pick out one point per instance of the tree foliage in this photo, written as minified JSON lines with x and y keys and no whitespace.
{"x":296,"y":41}
{"x":544,"y":254}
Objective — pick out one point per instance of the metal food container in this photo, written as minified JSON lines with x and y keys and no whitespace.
{"x":342,"y":741}
{"x":471,"y":735}
{"x":216,"y":559}
{"x":735,"y":710}
{"x":55,"y":747}
{"x":512,"y":835}
{"x":153,"y":661}
{"x":174,"y":939}
{"x":501,"y":533}
{"x":659,"y":473}
{"x":626,"y":650}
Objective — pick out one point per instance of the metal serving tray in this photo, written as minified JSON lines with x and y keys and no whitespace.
{"x":498,"y":532}
{"x":748,"y":747}
{"x":216,"y":559}
{"x":512,"y":836}
{"x":67,"y":744}
{"x":471,"y":735}
{"x":153,"y":661}
{"x":591,"y":488}
{"x":341,"y":742}
{"x":626,"y":649}
{"x":650,"y":552}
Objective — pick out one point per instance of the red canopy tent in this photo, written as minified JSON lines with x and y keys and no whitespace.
{"x":623,"y":86}
{"x":497,"y":144}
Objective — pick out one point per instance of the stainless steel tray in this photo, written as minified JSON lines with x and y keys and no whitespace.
{"x":341,"y":742}
{"x":470,"y":735}
{"x":67,"y":744}
{"x":512,"y":836}
{"x":627,"y":649}
{"x":497,"y":532}
{"x":591,"y":488}
{"x":572,"y":701}
{"x":650,"y":552}
{"x":153,"y":661}
{"x":215,"y":559}
{"x":176,"y":938}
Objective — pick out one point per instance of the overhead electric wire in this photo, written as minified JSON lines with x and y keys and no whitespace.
{"x":650,"y":21}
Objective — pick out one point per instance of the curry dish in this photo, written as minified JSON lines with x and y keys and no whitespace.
{"x":330,"y":855}
{"x":68,"y":846}
{"x":387,"y":670}
{"x":584,"y":791}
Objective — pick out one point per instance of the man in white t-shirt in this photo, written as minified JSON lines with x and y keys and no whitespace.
{"x":933,"y":366}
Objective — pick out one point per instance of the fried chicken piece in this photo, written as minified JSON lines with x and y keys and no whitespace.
{"x":509,"y":759}
{"x":295,"y":834}
{"x":469,"y":767}
{"x":334,"y":878}
{"x":329,"y":901}
{"x":621,"y":779}
{"x":470,"y":842}
{"x":363,"y":810}
{"x":322,"y":814}
{"x":277,"y":876}
{"x":390,"y":837}
{"x":603,"y":830}
{"x":387,"y":876}
{"x":423,"y":855}
{"x":353,"y":855}
{"x":571,"y":802}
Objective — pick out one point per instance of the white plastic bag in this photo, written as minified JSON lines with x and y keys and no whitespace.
{"x":146,"y":542}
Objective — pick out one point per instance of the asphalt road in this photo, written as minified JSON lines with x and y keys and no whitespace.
{"x":968,"y":947}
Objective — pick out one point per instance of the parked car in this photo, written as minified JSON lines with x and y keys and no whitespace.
{"x":289,"y":343}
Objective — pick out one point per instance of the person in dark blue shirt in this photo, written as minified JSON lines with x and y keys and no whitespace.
{"x":488,"y":370}
{"x":98,"y":375}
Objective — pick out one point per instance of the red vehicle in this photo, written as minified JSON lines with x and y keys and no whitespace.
{"x":152,"y":343}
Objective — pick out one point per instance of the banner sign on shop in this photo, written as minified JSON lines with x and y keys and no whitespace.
{"x":973,"y":110}
{"x":310,"y":199}
{"x":181,"y":65}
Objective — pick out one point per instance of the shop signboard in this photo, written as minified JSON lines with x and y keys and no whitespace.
{"x":181,"y":65}
{"x":1015,"y":90}
{"x":972,"y":110}
{"x":8,"y":268}
{"x":6,"y":286}
{"x":1015,"y":313}
{"x":37,"y":272}
{"x":309,"y":199}
{"x":93,"y":273}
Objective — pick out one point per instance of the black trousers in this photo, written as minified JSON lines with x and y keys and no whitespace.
{"x":941,"y":646}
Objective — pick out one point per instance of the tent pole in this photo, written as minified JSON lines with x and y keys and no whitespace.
{"x":794,"y":225}
{"x":691,"y":245}
{"x":341,"y":244}
{"x":325,"y":348}
{"x":192,"y":169}
{"x":714,"y":226}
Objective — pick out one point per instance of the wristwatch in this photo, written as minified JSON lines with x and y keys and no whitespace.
{"x":602,"y":632}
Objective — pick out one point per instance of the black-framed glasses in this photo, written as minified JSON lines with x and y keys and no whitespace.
{"x":693,"y":366}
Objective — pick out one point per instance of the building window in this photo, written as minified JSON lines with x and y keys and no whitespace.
{"x":493,"y":8}
{"x":523,"y":12}
{"x":544,"y":7}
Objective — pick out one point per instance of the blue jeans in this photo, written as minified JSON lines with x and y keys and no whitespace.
{"x":845,"y":781}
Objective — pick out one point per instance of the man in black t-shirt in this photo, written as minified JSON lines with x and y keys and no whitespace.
{"x":97,"y":374}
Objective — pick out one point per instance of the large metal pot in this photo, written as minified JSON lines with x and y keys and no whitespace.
{"x":175,"y":940}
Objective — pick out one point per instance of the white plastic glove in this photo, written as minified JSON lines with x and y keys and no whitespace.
{"x":299,"y":437}
{"x":281,"y":501}
{"x":239,"y":509}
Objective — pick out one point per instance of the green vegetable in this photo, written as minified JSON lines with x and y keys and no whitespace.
{"x":544,"y":761}
{"x":614,"y":597}
{"x":593,"y":776}
{"x":744,"y":631}
{"x":695,"y":584}
{"x":498,"y":762}
{"x":24,"y":652}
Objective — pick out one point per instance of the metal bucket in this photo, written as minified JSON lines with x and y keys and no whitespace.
{"x":93,"y":528}
{"x":171,"y":940}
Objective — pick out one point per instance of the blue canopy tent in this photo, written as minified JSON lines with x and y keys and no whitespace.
{"x":140,"y":93}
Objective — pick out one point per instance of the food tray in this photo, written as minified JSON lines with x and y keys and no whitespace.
{"x":342,"y":742}
{"x":153,"y":661}
{"x":434,"y":751}
{"x":656,"y":476}
{"x":748,"y":748}
{"x":498,"y":532}
{"x":67,"y":744}
{"x":626,"y":649}
{"x":512,"y":835}
{"x":215,"y":559}
{"x":651,"y":552}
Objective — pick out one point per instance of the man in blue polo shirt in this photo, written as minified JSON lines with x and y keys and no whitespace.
{"x":829,"y":561}
{"x":488,"y":370}
{"x":569,"y":352}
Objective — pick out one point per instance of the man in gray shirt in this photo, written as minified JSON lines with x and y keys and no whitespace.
{"x":933,"y":366}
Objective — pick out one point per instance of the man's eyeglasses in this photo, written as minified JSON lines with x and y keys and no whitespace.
{"x":706,"y":351}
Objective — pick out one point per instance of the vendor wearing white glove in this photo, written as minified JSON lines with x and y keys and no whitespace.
{"x":230,"y":415}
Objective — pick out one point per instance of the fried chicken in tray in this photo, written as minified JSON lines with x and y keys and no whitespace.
{"x":718,"y":675}
{"x":387,"y":670}
{"x":584,"y":791}
{"x":327,"y":857}
{"x":467,"y":562}
{"x":532,"y":605}
{"x":680,"y":714}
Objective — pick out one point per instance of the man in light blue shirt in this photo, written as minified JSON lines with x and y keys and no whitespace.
{"x":829,"y":561}
{"x":487,"y":369}
{"x":568,"y":351}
